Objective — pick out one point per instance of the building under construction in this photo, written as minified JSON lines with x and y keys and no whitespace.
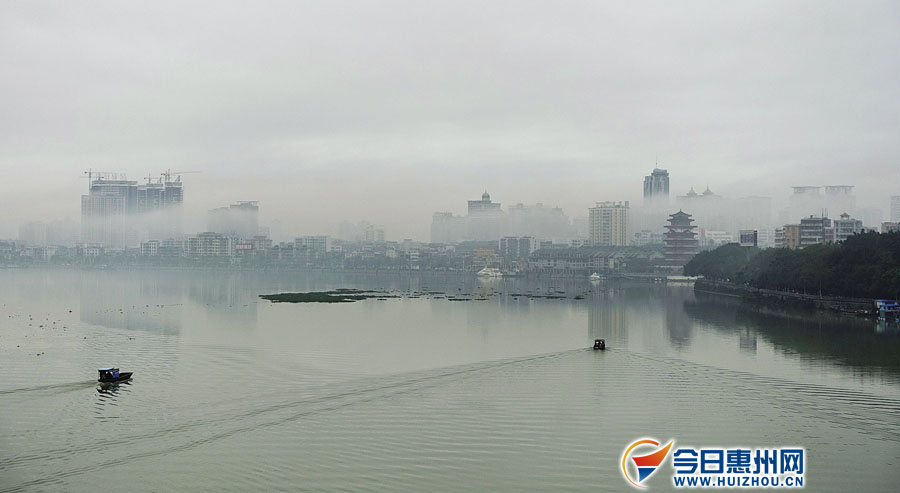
{"x":118,"y":213}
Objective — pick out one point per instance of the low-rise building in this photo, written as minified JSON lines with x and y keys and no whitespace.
{"x":815,"y":231}
{"x":846,"y":227}
{"x":150,"y":248}
{"x":749,"y":237}
{"x":209,"y":244}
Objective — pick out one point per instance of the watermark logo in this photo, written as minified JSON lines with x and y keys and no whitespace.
{"x":715,"y":467}
{"x":644,"y":465}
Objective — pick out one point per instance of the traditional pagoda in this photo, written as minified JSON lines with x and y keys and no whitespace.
{"x":681,"y":240}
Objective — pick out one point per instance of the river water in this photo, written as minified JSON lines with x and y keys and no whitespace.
{"x":421,"y":393}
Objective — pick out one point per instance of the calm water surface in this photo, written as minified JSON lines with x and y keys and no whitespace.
{"x":420,"y":393}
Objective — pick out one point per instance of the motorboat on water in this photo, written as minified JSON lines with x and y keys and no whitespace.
{"x":597,"y":277}
{"x":490,"y":272}
{"x":113,"y":375}
{"x":599,"y":344}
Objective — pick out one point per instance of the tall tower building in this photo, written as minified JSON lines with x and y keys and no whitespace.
{"x":895,"y":208}
{"x":608,"y":224}
{"x":681,"y":240}
{"x":656,"y":188}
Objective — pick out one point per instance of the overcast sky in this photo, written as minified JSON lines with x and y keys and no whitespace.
{"x":388,"y":111}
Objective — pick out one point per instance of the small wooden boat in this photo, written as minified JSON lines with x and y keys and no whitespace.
{"x":599,"y":344}
{"x":112,"y":375}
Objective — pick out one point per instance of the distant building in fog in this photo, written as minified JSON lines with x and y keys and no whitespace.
{"x":608,"y":224}
{"x":447,"y":228}
{"x":318,"y":244}
{"x":537,"y":221}
{"x":871,"y":217}
{"x":895,"y":208}
{"x":238,"y":220}
{"x":33,"y":233}
{"x":656,"y":188}
{"x":646,"y":237}
{"x":117,"y":212}
{"x":103,"y":219}
{"x":809,"y":201}
{"x":485,"y":219}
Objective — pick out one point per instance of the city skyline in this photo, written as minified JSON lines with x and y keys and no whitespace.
{"x":485,"y":219}
{"x":380,"y":113}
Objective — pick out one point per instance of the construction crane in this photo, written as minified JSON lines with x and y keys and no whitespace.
{"x":167,"y":174}
{"x":150,"y":178}
{"x":101,"y":175}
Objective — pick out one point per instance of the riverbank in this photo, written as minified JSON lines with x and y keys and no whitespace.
{"x":857,"y":306}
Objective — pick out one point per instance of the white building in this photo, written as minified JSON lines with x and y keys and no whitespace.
{"x":846,"y":227}
{"x":714,"y":239}
{"x":608,"y":224}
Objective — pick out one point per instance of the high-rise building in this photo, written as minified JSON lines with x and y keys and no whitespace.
{"x":447,"y":228}
{"x":159,"y":203}
{"x":840,"y":199}
{"x":680,"y":239}
{"x":103,"y":219}
{"x":895,"y":208}
{"x":151,"y":210}
{"x":484,"y":205}
{"x":608,"y":224}
{"x":808,"y":200}
{"x":656,"y":188}
{"x":537,"y":221}
{"x":485,"y":219}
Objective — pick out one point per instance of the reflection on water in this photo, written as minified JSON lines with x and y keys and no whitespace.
{"x":748,"y":341}
{"x":419,"y":392}
{"x":121,"y":301}
{"x":826,"y":336}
